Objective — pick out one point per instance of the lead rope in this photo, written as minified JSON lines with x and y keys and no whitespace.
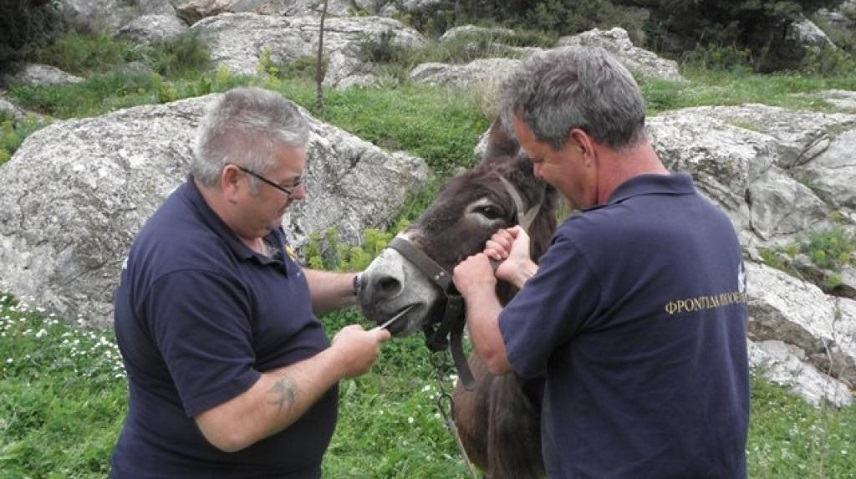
{"x":445,"y":405}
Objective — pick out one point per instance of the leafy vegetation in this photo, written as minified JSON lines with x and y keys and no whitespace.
{"x":24,"y":23}
{"x":63,"y":398}
{"x":828,"y":250}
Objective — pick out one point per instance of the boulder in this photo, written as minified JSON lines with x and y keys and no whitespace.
{"x":153,"y":29}
{"x":238,"y":40}
{"x":806,"y":34}
{"x":191,"y":11}
{"x":783,"y":364}
{"x":755,"y":162}
{"x":336,"y":8}
{"x":645,"y":65}
{"x":34,"y":74}
{"x":473,"y":31}
{"x":76,"y":193}
{"x":844,"y":100}
{"x":98,"y":15}
{"x":473,"y":74}
{"x":821,"y":327}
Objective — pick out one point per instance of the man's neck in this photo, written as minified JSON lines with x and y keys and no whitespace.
{"x":220,"y":206}
{"x":618,"y":166}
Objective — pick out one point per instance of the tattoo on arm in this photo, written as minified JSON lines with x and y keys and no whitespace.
{"x":284,"y":394}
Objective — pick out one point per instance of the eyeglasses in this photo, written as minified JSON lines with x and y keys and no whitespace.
{"x":289,"y":190}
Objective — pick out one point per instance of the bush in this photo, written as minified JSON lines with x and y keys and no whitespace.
{"x":761,"y":26}
{"x":24,"y":23}
{"x":13,"y":133}
{"x":87,"y":53}
{"x":555,"y":17}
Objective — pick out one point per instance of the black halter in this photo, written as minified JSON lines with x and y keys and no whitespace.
{"x":449,"y":331}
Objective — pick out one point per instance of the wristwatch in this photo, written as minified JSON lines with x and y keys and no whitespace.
{"x":358,"y":284}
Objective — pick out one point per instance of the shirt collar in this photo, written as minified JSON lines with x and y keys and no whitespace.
{"x":194,"y":196}
{"x":651,"y":184}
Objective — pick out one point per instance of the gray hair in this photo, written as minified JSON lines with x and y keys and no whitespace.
{"x":246,"y":127}
{"x":575,"y":87}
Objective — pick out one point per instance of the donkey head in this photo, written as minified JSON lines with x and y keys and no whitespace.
{"x":497,"y":193}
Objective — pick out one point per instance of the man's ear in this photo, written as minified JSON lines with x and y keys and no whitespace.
{"x":582,"y":142}
{"x":230,"y":177}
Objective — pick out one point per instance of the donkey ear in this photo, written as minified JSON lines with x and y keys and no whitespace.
{"x":501,"y":143}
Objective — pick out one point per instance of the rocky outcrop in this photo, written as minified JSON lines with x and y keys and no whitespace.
{"x":34,"y":74}
{"x":109,"y":15}
{"x":238,"y":41}
{"x":645,"y":65}
{"x":754,"y":160}
{"x":473,"y":74}
{"x":76,"y":193}
{"x":153,"y":28}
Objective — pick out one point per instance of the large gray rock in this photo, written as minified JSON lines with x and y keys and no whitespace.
{"x":808,"y":35}
{"x":470,"y":31}
{"x":238,"y":40}
{"x":754,"y":161}
{"x":494,"y":70}
{"x":191,"y":11}
{"x":474,"y":74}
{"x":98,"y":15}
{"x":798,"y":313}
{"x":832,"y":172}
{"x":644,"y":64}
{"x":153,"y":28}
{"x":76,"y":193}
{"x":34,"y":74}
{"x":783,"y":364}
{"x":336,"y":8}
{"x":109,"y":15}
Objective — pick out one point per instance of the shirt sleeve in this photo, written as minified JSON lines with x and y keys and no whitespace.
{"x":552,"y":308}
{"x":200,"y":322}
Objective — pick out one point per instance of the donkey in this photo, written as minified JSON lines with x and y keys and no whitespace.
{"x":498,"y":420}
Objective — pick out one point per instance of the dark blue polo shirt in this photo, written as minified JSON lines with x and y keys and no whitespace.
{"x":198,"y":315}
{"x":637,"y":315}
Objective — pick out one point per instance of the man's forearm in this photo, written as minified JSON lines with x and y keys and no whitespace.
{"x":273,"y":403}
{"x":329,"y":290}
{"x":483,"y":323}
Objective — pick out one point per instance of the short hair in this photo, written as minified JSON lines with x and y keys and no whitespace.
{"x":246,"y":127}
{"x":575,"y":87}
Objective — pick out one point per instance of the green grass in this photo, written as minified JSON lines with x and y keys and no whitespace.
{"x":63,"y":399}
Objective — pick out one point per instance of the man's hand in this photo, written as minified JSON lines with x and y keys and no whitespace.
{"x":358,"y":349}
{"x":511,"y":246}
{"x":474,"y":275}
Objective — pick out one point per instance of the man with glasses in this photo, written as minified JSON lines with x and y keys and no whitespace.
{"x":230,"y":373}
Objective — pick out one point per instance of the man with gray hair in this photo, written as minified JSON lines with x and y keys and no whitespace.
{"x":230,"y":373}
{"x":636,"y":314}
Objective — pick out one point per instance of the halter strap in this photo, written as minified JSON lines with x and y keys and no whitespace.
{"x":523,"y":219}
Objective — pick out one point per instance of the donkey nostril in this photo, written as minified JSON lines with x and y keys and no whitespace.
{"x":388,"y":286}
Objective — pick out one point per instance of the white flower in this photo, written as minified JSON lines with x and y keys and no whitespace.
{"x":410,"y":420}
{"x":9,"y":361}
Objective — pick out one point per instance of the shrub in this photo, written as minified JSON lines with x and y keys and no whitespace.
{"x":761,"y":26}
{"x":23,"y":24}
{"x":87,"y":53}
{"x":13,"y":133}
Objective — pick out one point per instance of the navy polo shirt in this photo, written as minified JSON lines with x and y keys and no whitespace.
{"x":198,"y":316}
{"x":637,"y":316}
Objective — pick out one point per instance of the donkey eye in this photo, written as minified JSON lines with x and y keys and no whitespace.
{"x":489,"y":211}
